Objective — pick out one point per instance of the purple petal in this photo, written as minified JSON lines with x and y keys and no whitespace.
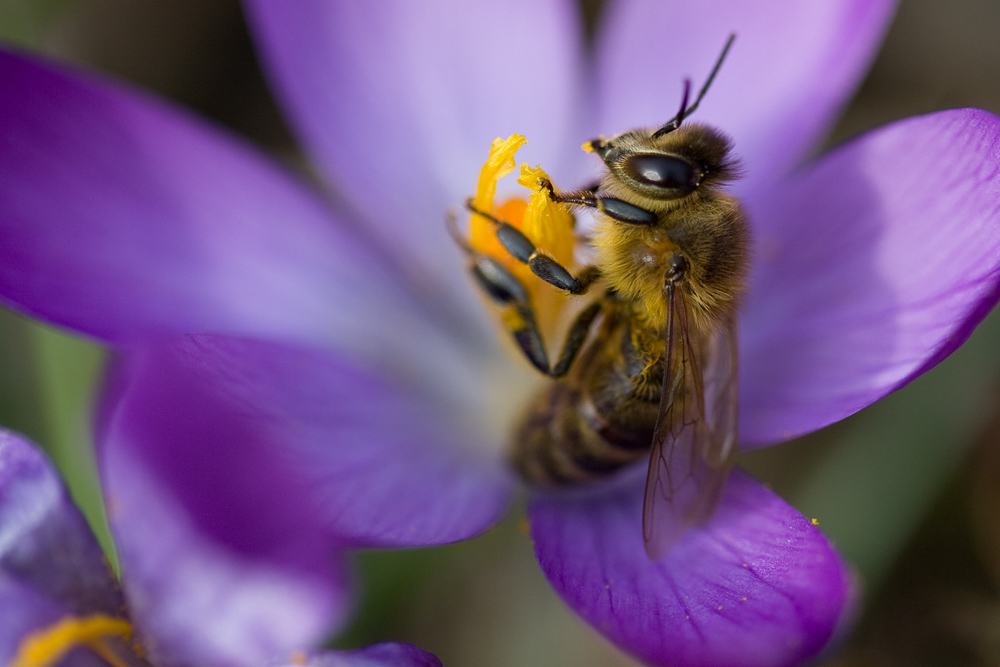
{"x":51,"y":566}
{"x":126,"y":220}
{"x":378,"y":655}
{"x":44,"y":540}
{"x":25,"y":610}
{"x":759,"y":585}
{"x":792,"y":67}
{"x":307,"y":443}
{"x":876,"y":264}
{"x":399,"y":103}
{"x":223,"y":560}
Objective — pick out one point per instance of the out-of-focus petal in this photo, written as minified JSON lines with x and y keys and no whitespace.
{"x":398,"y":102}
{"x":24,"y":610}
{"x":304,"y":443}
{"x":876,"y":263}
{"x":125,"y":220}
{"x":758,"y":585}
{"x":51,"y":565}
{"x":378,"y":655}
{"x":44,"y":540}
{"x":792,"y":67}
{"x":222,"y":560}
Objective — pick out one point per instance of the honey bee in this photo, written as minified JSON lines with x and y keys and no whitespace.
{"x":650,"y":367}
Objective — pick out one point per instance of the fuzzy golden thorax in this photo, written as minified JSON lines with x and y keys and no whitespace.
{"x":698,"y":221}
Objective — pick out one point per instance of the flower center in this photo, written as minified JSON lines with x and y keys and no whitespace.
{"x":49,"y":645}
{"x":547,"y":224}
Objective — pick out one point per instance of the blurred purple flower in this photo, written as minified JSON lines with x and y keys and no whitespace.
{"x":61,"y":604}
{"x":341,"y":361}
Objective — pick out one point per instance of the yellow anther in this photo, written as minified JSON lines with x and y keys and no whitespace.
{"x":548,"y":224}
{"x":499,"y":164}
{"x":49,"y":645}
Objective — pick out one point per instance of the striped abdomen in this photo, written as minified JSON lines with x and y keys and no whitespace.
{"x":597,"y":420}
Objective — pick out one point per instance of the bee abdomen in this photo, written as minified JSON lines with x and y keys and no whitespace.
{"x":569,"y":440}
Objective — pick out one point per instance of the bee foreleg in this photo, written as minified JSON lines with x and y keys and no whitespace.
{"x":617,"y":209}
{"x":523,"y":250}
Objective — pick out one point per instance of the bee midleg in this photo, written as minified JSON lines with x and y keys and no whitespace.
{"x":614,"y":208}
{"x":523,"y":250}
{"x":518,"y":316}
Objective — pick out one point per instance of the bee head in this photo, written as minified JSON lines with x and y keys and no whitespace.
{"x":670,"y":162}
{"x":669,"y":166}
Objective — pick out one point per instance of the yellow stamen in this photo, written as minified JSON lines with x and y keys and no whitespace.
{"x":499,"y":164}
{"x":49,"y":645}
{"x":547,"y":223}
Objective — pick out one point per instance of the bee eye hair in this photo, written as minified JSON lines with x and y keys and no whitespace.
{"x":663,"y":171}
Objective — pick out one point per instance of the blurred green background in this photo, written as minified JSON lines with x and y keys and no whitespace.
{"x":907,"y":489}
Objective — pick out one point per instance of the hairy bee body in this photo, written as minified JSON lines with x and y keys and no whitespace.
{"x":599,"y":418}
{"x":602,"y":415}
{"x":649,"y":368}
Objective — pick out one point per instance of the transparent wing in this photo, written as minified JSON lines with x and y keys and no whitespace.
{"x":694,"y":442}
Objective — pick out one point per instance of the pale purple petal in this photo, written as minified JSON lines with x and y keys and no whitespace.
{"x":378,"y":655}
{"x":759,"y":585}
{"x":398,"y":101}
{"x":793,"y":66}
{"x":44,"y":540}
{"x":222,"y":560}
{"x":51,"y":566}
{"x":25,"y":610}
{"x":306,"y":442}
{"x":876,"y":263}
{"x":125,"y":220}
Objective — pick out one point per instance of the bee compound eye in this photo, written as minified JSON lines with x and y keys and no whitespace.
{"x":663,"y":171}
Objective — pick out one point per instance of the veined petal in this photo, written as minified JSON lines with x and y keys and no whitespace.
{"x":791,"y":69}
{"x":259,"y":438}
{"x":378,"y":655}
{"x":44,"y":540}
{"x":51,"y":566}
{"x":125,"y":220}
{"x":873,"y":265}
{"x":222,"y":559}
{"x":758,"y":585}
{"x":396,"y":103}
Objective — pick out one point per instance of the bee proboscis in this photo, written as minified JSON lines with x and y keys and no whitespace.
{"x":651,"y":364}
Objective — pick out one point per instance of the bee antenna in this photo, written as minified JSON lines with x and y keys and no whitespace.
{"x":686,"y":111}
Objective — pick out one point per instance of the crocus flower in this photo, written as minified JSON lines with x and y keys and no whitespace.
{"x":342,"y":358}
{"x":61,"y":604}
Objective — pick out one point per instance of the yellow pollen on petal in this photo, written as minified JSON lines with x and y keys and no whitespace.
{"x":49,"y":645}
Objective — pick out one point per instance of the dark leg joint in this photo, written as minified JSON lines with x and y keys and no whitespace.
{"x":555,"y":274}
{"x":529,"y":339}
{"x":575,"y":338}
{"x":499,"y":283}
